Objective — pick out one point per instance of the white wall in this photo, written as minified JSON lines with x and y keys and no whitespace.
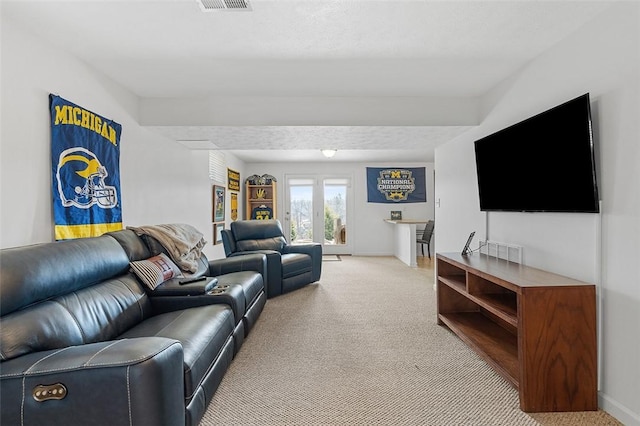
{"x":161,"y":181}
{"x":371,"y":236}
{"x":602,"y":58}
{"x":232,"y":162}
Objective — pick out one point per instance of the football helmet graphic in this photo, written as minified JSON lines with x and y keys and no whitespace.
{"x":80,"y":177}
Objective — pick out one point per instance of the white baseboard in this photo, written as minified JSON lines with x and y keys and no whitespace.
{"x":620,"y":412}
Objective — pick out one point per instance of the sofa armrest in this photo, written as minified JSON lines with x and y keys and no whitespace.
{"x":312,"y":249}
{"x":272,"y":274}
{"x":129,"y":381}
{"x":246,"y":262}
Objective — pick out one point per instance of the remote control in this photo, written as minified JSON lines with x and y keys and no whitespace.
{"x":192,"y":280}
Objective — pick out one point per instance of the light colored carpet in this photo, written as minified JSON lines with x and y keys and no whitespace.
{"x":362,"y":347}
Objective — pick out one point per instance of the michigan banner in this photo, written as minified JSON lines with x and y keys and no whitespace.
{"x":396,"y":185}
{"x":85,"y":168}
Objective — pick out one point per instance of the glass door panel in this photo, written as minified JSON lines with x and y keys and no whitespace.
{"x":300,"y":211}
{"x":335,"y":211}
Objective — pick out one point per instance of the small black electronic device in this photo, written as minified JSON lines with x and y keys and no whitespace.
{"x":192,"y":280}
{"x":466,"y":250}
{"x":186,"y":286}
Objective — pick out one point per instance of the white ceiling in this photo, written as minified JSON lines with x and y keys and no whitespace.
{"x":308,"y":48}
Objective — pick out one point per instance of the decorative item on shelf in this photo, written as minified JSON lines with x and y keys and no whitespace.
{"x":252,"y":180}
{"x":466,"y":250}
{"x":260,"y":193}
{"x":268,"y":179}
{"x":396,"y":215}
{"x":262,"y":212}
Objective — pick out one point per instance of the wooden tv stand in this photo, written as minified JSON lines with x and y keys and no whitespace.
{"x":535,"y":328}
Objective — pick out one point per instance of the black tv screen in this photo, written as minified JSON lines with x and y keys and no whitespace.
{"x":542,"y":164}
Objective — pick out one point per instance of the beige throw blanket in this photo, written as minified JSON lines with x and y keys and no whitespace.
{"x":183,"y":242}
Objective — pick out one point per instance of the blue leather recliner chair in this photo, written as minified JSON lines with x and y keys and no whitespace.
{"x":289,"y":267}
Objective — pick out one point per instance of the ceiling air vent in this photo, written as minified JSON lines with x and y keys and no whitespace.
{"x":224,"y":5}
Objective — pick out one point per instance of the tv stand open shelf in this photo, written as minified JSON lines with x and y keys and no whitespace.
{"x":535,"y":328}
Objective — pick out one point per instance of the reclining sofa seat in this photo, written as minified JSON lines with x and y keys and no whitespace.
{"x":81,"y":341}
{"x":289,"y":267}
{"x":248,"y":273}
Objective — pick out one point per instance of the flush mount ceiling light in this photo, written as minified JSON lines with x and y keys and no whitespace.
{"x":329,"y":152}
{"x":224,"y":5}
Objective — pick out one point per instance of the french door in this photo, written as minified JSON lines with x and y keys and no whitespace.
{"x":318,"y":209}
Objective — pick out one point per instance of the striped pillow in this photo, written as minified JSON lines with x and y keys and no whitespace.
{"x":155,"y":270}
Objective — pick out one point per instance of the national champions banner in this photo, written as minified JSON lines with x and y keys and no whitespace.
{"x":85,"y":168}
{"x":396,"y":185}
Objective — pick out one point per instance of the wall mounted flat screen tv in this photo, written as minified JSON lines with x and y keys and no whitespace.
{"x":545,"y":163}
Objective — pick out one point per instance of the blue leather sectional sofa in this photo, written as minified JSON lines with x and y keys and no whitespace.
{"x":83,"y":341}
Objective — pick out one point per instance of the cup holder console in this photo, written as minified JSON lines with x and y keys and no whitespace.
{"x":219,"y":289}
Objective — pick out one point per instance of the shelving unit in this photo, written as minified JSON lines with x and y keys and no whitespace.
{"x":535,"y":328}
{"x":260,"y":201}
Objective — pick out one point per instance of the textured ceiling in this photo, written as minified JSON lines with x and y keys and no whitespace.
{"x":348,"y":48}
{"x":388,"y":143}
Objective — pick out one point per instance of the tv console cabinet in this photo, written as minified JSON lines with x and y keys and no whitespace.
{"x":535,"y":328}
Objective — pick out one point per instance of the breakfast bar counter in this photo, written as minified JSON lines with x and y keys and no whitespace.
{"x":405,"y":239}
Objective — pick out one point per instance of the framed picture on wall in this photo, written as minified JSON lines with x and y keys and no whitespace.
{"x":234,"y":205}
{"x":218,"y":203}
{"x":217,"y":232}
{"x":233,"y":180}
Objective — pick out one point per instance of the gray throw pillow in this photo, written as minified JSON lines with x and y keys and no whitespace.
{"x":155,"y":270}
